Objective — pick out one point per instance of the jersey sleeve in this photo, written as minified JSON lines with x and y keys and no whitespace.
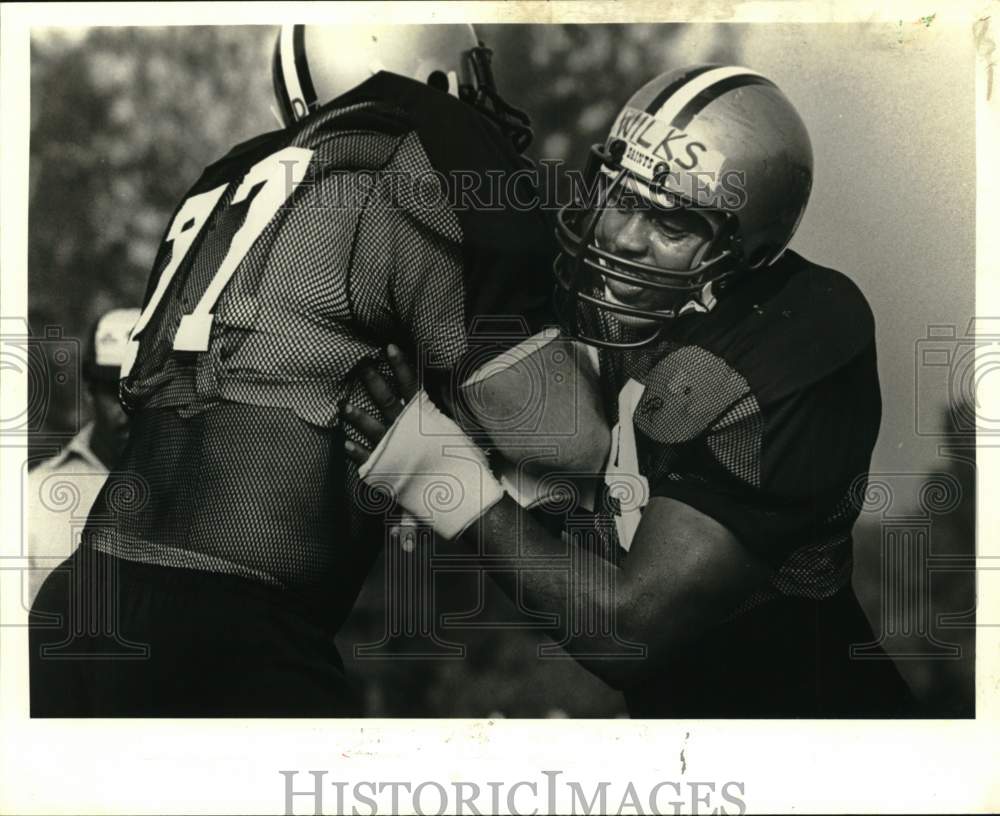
{"x":783,"y":476}
{"x":406,"y":278}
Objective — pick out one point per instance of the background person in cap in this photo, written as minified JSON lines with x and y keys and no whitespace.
{"x":62,"y":489}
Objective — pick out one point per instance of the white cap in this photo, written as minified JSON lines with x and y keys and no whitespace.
{"x":111,"y":336}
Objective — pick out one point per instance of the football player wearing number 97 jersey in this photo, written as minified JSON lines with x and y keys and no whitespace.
{"x":225,"y":553}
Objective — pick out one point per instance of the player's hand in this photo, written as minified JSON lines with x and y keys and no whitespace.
{"x":424,"y":460}
{"x":390,"y":403}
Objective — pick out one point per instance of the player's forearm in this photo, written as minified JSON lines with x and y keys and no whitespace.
{"x":567,"y":581}
{"x":587,"y":593}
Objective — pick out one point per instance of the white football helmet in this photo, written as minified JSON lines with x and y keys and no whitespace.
{"x":314,"y":64}
{"x":719,"y":140}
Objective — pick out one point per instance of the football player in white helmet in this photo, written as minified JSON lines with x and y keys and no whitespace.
{"x":314,"y":64}
{"x":234,"y":528}
{"x":742,"y":385}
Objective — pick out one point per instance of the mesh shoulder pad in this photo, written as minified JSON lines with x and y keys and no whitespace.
{"x":416,"y":189}
{"x":686,"y":392}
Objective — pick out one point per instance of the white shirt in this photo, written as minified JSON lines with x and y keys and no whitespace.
{"x":61,"y":491}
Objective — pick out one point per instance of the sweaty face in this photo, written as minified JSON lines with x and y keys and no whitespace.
{"x":670,"y":239}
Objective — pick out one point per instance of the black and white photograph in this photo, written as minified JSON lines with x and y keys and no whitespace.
{"x":438,"y":382}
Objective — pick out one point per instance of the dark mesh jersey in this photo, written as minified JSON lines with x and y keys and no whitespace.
{"x":346,"y":240}
{"x":763,"y":414}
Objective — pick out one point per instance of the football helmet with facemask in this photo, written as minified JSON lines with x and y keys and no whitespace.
{"x":720,"y":141}
{"x":312,"y":65}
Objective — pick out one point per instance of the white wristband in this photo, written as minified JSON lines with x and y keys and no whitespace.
{"x":433,"y":470}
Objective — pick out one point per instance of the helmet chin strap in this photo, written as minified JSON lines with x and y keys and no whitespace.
{"x":483,"y":95}
{"x":704,"y":303}
{"x":290,"y":72}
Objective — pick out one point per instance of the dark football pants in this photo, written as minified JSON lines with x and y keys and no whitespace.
{"x":787,"y":658}
{"x":113,"y":638}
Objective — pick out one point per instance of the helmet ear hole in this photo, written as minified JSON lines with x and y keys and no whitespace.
{"x":438,"y":80}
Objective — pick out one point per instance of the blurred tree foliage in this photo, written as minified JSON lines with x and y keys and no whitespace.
{"x":573,"y":79}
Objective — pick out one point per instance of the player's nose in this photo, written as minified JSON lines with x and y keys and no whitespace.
{"x":631,"y":238}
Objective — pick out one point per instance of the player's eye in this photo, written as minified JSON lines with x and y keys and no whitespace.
{"x":671,"y":230}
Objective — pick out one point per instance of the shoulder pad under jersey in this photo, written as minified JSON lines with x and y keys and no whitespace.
{"x":793,"y":326}
{"x":772,"y":338}
{"x":462,"y":144}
